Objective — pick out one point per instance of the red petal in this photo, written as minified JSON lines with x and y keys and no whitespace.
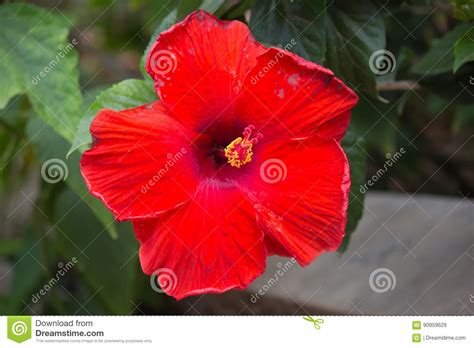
{"x":336,"y":127}
{"x":285,"y":96}
{"x":140,"y":163}
{"x":210,"y":245}
{"x":300,"y":191}
{"x":274,"y":247}
{"x":199,"y":66}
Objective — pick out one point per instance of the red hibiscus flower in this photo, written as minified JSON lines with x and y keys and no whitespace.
{"x":239,"y":159}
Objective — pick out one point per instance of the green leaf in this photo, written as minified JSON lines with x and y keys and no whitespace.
{"x":37,"y":60}
{"x":354,"y":147}
{"x":51,"y":147}
{"x":463,"y":9}
{"x":296,"y":24}
{"x":463,"y":118}
{"x":377,"y":122}
{"x":440,"y":57}
{"x":14,"y":164}
{"x":355,"y":31}
{"x":464,"y":49}
{"x":185,"y":7}
{"x":26,"y":272}
{"x":435,"y":104}
{"x":107,"y":266}
{"x":212,"y":6}
{"x":10,"y":246}
{"x":238,"y":10}
{"x":124,"y":95}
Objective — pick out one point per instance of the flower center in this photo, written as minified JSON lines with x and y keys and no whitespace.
{"x":239,"y":151}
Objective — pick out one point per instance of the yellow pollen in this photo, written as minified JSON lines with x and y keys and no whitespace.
{"x":240,"y":150}
{"x":234,"y":156}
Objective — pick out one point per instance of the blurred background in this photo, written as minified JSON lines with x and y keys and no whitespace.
{"x":410,"y":145}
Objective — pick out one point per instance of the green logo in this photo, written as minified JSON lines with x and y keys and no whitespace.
{"x":416,"y":338}
{"x":416,"y":325}
{"x":19,"y":328}
{"x":316,"y":322}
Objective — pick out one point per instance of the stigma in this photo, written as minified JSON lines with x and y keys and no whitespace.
{"x":240,"y":150}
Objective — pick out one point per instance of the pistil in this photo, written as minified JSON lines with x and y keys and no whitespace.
{"x":240,"y":150}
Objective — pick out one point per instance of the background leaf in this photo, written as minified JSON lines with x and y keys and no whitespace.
{"x":440,"y":58}
{"x":107,"y":266}
{"x":463,"y":9}
{"x":34,"y":61}
{"x":353,"y":146}
{"x":464,"y":49}
{"x":281,"y":22}
{"x":28,"y":261}
{"x":464,"y":118}
{"x":355,"y":30}
{"x":124,"y":95}
{"x":49,"y":145}
{"x":376,"y":122}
